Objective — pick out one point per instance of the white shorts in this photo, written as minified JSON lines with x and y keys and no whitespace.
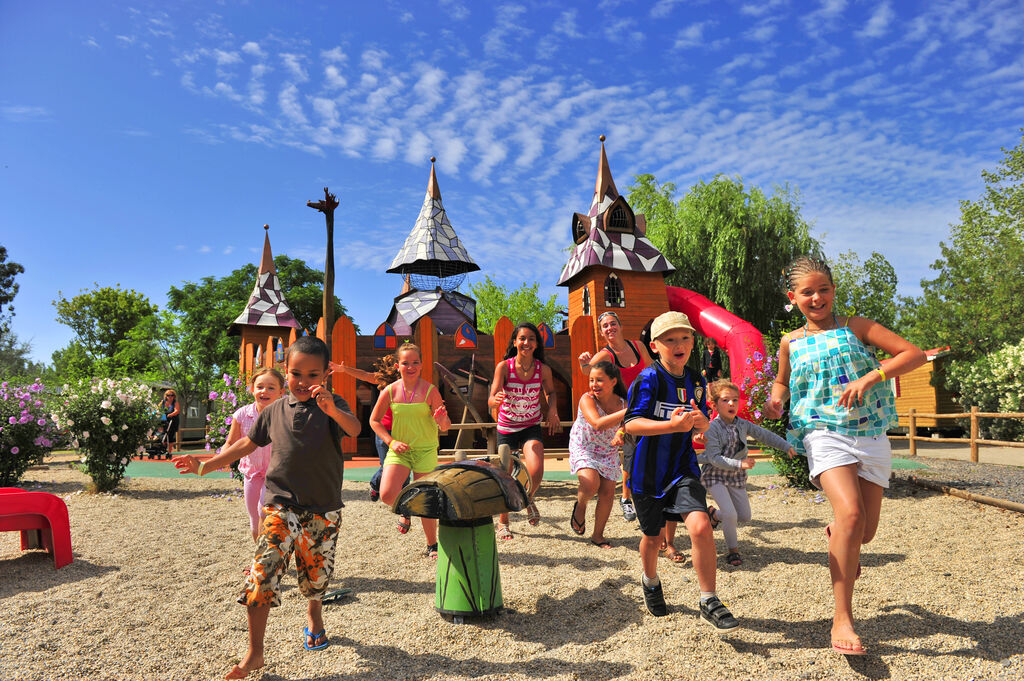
{"x":827,"y":449}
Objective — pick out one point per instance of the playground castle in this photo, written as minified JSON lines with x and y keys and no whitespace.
{"x":612,"y":266}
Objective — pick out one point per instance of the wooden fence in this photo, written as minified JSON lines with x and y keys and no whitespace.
{"x":974,"y":415}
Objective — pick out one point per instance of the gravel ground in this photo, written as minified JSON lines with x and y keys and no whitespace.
{"x":1001,"y":482}
{"x":157,"y":566}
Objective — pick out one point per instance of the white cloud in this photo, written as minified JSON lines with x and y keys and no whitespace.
{"x":456,"y":8}
{"x":762,"y":32}
{"x":374,"y":59}
{"x":335,"y":55}
{"x":825,"y":19}
{"x":293,"y":64}
{"x":204,"y":249}
{"x":508,"y":29}
{"x":288,"y":100}
{"x":333,"y":80}
{"x":625,"y":33}
{"x":229,"y":250}
{"x":327,"y":109}
{"x":691,"y":36}
{"x":663,"y":8}
{"x":224,"y":58}
{"x":25,"y":113}
{"x":253,"y":49}
{"x":418,"y":148}
{"x":878,"y":24}
{"x":256,"y":89}
{"x":90,"y":41}
{"x":566,"y":25}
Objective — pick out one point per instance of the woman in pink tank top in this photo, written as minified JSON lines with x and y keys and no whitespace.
{"x":631,"y":357}
{"x":519,"y":382}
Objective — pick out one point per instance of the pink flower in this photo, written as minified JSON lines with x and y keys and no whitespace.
{"x":14,"y":450}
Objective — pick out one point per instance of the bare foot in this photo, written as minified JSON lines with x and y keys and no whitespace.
{"x":846,"y":641}
{"x":248,"y":665}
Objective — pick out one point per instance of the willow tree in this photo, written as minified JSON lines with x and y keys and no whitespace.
{"x":728,"y":242}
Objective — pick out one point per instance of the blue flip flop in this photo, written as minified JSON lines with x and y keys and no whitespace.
{"x":309,"y":635}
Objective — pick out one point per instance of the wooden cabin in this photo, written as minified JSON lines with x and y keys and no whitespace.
{"x":924,"y":390}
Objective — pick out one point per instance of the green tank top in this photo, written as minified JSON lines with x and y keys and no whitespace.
{"x":414,"y":423}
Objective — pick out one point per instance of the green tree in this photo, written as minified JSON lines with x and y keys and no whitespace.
{"x":15,"y":364}
{"x":727,"y":242}
{"x":101,"y":319}
{"x":206,"y":309}
{"x":865,"y":289}
{"x":975,"y":303}
{"x":520,"y":305}
{"x":8,"y":289}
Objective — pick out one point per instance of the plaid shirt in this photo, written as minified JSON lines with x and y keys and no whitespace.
{"x":727,"y":447}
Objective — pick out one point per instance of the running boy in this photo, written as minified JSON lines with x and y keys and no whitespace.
{"x":303,"y":495}
{"x":666,"y":405}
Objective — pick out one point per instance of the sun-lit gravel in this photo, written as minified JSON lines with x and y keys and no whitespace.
{"x":157,"y":567}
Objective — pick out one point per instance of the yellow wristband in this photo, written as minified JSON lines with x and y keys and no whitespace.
{"x":881,"y":373}
{"x":621,"y":431}
{"x":202,"y":467}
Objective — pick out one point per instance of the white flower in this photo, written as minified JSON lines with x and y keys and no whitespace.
{"x":124,"y":426}
{"x":113,"y":438}
{"x":83,"y":459}
{"x":70,"y":423}
{"x":105,"y":404}
{"x":106,"y":420}
{"x":74,"y":443}
{"x":85,"y":434}
{"x":124,"y":462}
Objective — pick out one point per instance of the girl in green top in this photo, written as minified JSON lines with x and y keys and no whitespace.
{"x":417,"y":412}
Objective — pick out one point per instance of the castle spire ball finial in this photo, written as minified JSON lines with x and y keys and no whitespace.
{"x":601,"y":138}
{"x":266,"y":227}
{"x":433,"y":159}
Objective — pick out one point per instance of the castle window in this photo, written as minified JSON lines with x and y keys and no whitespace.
{"x":580,"y":228}
{"x":618,"y":220}
{"x":586,"y":301}
{"x":614,"y":295}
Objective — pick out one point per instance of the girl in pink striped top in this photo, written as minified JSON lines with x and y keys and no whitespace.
{"x":267,"y":385}
{"x":519,"y":382}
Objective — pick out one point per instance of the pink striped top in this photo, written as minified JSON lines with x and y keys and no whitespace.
{"x":521,"y":408}
{"x":255,"y":464}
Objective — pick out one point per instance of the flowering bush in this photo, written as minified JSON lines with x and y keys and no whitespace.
{"x":758,"y":390}
{"x":108,"y":420}
{"x":26,"y":433}
{"x":222,"y":405}
{"x":994,"y":383}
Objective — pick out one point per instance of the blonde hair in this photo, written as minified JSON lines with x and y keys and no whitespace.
{"x":267,"y":370}
{"x":716,"y":389}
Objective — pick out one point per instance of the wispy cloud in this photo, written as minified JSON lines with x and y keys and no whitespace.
{"x":878,"y":24}
{"x":825,"y":19}
{"x":691,"y":36}
{"x":253,"y":49}
{"x":293,"y":65}
{"x":90,"y":41}
{"x":21,"y":113}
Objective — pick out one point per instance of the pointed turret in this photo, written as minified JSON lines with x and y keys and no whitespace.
{"x":604,"y":189}
{"x":433,"y":263}
{"x":432,"y":247}
{"x":267,"y":306}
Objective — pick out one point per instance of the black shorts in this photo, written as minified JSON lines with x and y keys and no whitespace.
{"x":519,"y":438}
{"x":687,"y":496}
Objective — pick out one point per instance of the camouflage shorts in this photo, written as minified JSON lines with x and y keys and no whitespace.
{"x":312,"y":537}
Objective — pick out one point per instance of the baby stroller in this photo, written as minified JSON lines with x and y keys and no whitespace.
{"x":156,"y":446}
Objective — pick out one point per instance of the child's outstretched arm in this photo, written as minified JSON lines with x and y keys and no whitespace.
{"x":780,"y":388}
{"x":325,"y":400}
{"x":905,"y":357}
{"x":548,"y":386}
{"x":439,"y":411}
{"x":365,"y":376}
{"x":187,"y":463}
{"x":588,"y":407}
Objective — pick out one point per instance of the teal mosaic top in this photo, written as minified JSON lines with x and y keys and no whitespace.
{"x":822,"y":366}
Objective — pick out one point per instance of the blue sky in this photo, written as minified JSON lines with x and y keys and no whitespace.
{"x":146,"y":143}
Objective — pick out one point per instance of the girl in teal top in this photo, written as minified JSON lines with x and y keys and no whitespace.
{"x":840,"y":408}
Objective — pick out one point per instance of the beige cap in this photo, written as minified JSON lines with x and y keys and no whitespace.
{"x":670,"y":320}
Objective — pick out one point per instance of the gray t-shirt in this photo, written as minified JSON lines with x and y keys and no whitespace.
{"x":306,"y":464}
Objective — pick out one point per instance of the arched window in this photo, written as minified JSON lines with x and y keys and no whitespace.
{"x":586,"y":301}
{"x":618,"y":220}
{"x":614,"y":295}
{"x":580,"y":227}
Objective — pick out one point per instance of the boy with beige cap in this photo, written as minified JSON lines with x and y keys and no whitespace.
{"x":667,"y":404}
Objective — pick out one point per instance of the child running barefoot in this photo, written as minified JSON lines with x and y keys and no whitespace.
{"x":665,"y":409}
{"x":840,"y":409}
{"x":516,"y":394}
{"x":267,"y":385}
{"x":594,"y":449}
{"x":417,"y":411}
{"x":303,"y":497}
{"x":726,"y":462}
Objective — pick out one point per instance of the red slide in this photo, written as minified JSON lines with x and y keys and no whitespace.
{"x":740,"y":339}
